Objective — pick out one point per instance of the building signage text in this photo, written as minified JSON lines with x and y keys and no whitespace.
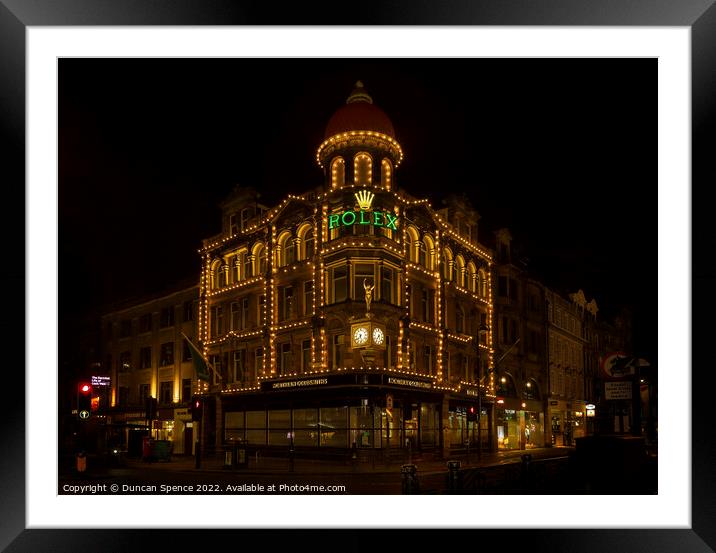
{"x":617,"y":390}
{"x":297,"y":383}
{"x":366,"y":216}
{"x":413,"y":383}
{"x":100,"y":381}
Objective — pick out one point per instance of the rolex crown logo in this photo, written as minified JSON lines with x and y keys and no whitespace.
{"x":365,"y":199}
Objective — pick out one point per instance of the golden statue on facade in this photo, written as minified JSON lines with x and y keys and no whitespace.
{"x":368,"y":294}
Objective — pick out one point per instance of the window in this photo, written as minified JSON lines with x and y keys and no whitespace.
{"x":145,"y":357}
{"x":223,"y":275}
{"x":167,"y":317}
{"x":165,"y":392}
{"x":306,"y":355}
{"x":217,"y":320}
{"x":284,"y":358}
{"x":259,"y":360}
{"x":460,"y":271}
{"x":188,"y":311}
{"x":143,"y":392}
{"x":337,"y":347}
{"x":514,"y":290}
{"x":123,"y":396}
{"x":125,"y":328}
{"x":466,"y":367}
{"x":246,"y":214}
{"x":386,"y":174}
{"x":245,"y":313}
{"x":388,"y":352}
{"x":422,"y":253}
{"x":239,"y":366}
{"x":308,"y":245}
{"x":186,"y":390}
{"x":125,"y":361}
{"x":340,"y":284}
{"x":246,"y":260}
{"x":338,"y":172}
{"x":308,"y":297}
{"x":447,"y":265}
{"x":233,"y":223}
{"x":460,"y":319}
{"x":185,"y":351}
{"x":386,"y":284}
{"x":285,"y":303}
{"x":166,"y":356}
{"x":290,"y":252}
{"x":362,"y":272}
{"x":502,"y":286}
{"x":235,"y":316}
{"x":362,"y":169}
{"x":145,"y":322}
{"x":425,"y":305}
{"x":428,"y":359}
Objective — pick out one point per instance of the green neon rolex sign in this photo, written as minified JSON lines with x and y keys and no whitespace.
{"x":365,"y":216}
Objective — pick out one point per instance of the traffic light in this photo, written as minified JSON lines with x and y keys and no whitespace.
{"x":471,"y":414}
{"x":84,"y":400}
{"x":150,"y":408}
{"x":197,"y":403}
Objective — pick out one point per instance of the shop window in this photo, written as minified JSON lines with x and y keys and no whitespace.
{"x":333,"y":427}
{"x":145,"y":357}
{"x":234,"y":425}
{"x":305,"y":427}
{"x":256,"y":427}
{"x":166,"y":356}
{"x":279,"y":426}
{"x":165,"y":392}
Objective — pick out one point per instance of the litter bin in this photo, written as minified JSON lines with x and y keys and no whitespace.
{"x":454,"y":476}
{"x":410,"y":478}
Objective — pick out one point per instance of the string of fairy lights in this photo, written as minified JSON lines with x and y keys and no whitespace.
{"x":399,"y":244}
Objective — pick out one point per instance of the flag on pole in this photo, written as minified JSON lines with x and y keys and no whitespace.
{"x":201,"y":364}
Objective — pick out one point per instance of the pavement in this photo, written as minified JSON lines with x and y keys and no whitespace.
{"x":275,"y":465}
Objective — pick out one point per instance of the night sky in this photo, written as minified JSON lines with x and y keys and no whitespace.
{"x":563,"y":152}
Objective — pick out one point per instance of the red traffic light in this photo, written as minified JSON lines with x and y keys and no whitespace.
{"x":85,"y":388}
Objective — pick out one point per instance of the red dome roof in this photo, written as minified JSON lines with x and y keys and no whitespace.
{"x":359,"y":114}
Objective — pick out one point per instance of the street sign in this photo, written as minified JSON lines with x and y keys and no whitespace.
{"x":84,"y":414}
{"x":618,"y":365}
{"x":617,"y":390}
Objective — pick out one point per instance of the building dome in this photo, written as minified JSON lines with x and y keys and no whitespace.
{"x":359,"y":114}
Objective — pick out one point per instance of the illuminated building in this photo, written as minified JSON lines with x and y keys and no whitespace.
{"x":305,"y":361}
{"x":145,"y":355}
{"x":520,"y":346}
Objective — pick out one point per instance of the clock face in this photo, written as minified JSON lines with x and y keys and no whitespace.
{"x":360,"y":335}
{"x":378,"y":336}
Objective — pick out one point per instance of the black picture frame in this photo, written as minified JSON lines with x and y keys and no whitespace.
{"x":700,"y":16}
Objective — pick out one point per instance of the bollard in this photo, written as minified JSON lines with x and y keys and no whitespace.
{"x":228,"y":459}
{"x":409,"y":479}
{"x":454,"y":477}
{"x":526,"y":467}
{"x":81,"y":462}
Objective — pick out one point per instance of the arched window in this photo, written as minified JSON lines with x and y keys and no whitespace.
{"x":285,"y":252}
{"x":460,"y":271}
{"x":223,"y":275}
{"x":414,"y":244}
{"x":482,"y":283}
{"x":305,"y":236}
{"x":531,"y":389}
{"x":236,"y":268}
{"x":386,"y":174}
{"x":362,"y":169}
{"x":338,"y":172}
{"x":429,"y":245}
{"x":447,"y":264}
{"x":506,"y":385}
{"x":247,"y":269}
{"x":471,"y":277}
{"x":215,"y":274}
{"x":258,"y":251}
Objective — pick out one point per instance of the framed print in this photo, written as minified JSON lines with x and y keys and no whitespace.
{"x":297,"y":326}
